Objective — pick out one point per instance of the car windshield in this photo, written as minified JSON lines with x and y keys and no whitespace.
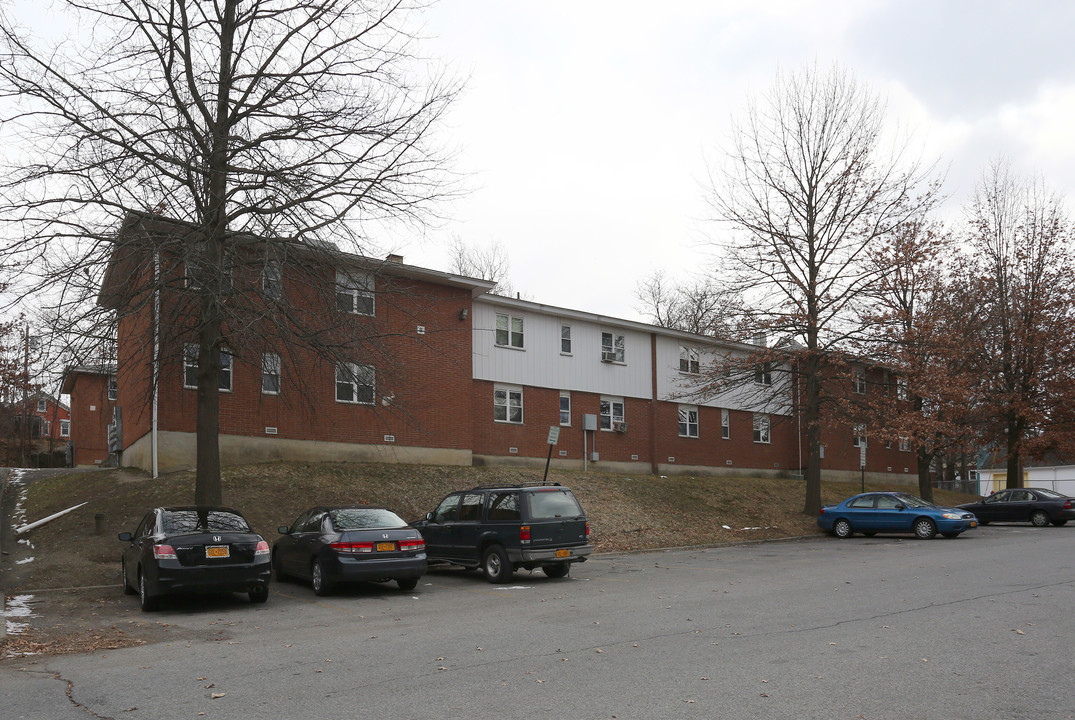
{"x":1052,"y":494}
{"x":548,"y":504}
{"x":364,"y":519}
{"x":912,"y":501}
{"x":193,"y":520}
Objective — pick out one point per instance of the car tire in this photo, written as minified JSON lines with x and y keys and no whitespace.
{"x":842,"y":529}
{"x":127,"y":589}
{"x":496,"y":565}
{"x":1039,"y":518}
{"x":924,"y":529}
{"x":322,"y":585}
{"x":259,"y":593}
{"x":558,"y":570}
{"x":1060,"y":523}
{"x":278,"y":567}
{"x":407,"y":583}
{"x":148,"y":602}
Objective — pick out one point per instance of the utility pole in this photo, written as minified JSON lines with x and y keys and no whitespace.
{"x":26,"y":399}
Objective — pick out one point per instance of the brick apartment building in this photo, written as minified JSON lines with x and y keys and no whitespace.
{"x":440,"y":372}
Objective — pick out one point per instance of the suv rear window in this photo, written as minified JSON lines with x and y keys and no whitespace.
{"x":549,"y":504}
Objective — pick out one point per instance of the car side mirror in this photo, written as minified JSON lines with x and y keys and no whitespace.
{"x":283,"y":529}
{"x":901,"y":506}
{"x":126,"y":536}
{"x":429,"y":516}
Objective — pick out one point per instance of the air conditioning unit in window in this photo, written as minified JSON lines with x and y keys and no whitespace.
{"x":607,"y":356}
{"x":619,"y":426}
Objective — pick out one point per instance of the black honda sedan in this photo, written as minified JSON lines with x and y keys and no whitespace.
{"x":1034,"y":505}
{"x":196,"y":549}
{"x":327,"y":545}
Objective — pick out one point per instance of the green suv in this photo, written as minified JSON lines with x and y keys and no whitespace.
{"x":503,"y":529}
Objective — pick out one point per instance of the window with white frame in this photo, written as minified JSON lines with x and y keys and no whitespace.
{"x":355,"y":383}
{"x":272,"y":280}
{"x":190,"y":368}
{"x":725,"y":424}
{"x":65,"y":428}
{"x":901,"y":389}
{"x":113,"y":389}
{"x":354,"y":292}
{"x":613,"y":347}
{"x":763,"y":374}
{"x":508,"y":404}
{"x":859,"y":439}
{"x":761,"y":428}
{"x":565,"y":339}
{"x":858,"y":381}
{"x":611,"y":412}
{"x":565,"y":408}
{"x":688,"y":360}
{"x":509,"y":331}
{"x":688,"y":421}
{"x":270,"y":373}
{"x":42,"y":405}
{"x":905,"y":444}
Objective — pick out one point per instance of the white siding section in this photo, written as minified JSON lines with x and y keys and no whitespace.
{"x":540,"y":364}
{"x":674,"y":386}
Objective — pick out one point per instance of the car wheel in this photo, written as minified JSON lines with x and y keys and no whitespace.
{"x":319,"y":579}
{"x":148,"y":601}
{"x":924,"y":528}
{"x":842,"y":529}
{"x":496,"y":565}
{"x":1040,"y":518}
{"x":407,"y":583}
{"x":950,"y":534}
{"x":1060,"y":523}
{"x":278,"y":567}
{"x":259,"y":593}
{"x":127,"y":589}
{"x":558,"y":570}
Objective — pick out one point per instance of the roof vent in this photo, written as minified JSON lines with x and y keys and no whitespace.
{"x":393,"y":258}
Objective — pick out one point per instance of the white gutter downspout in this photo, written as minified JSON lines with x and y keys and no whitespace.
{"x":156,"y":357}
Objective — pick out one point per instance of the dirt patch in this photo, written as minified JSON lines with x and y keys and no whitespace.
{"x":74,"y":576}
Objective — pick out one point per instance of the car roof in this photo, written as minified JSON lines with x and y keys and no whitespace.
{"x":201,"y":508}
{"x":519,"y":486}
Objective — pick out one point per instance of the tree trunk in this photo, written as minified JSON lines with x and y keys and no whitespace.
{"x":925,"y":483}
{"x":812,"y":417}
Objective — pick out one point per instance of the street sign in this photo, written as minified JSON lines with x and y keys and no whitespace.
{"x":554,"y":434}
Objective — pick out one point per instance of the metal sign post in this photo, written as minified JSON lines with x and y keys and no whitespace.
{"x":554,"y":437}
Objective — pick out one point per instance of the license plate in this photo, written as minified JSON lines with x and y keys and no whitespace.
{"x":386,"y":546}
{"x":563,"y":553}
{"x":217,"y":551}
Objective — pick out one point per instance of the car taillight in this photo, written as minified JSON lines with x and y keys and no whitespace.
{"x":418,"y":544}
{"x":1067,"y":505}
{"x":261,"y":549}
{"x":164,"y":552}
{"x":524,"y":533}
{"x":353,"y":547}
{"x":587,"y":529}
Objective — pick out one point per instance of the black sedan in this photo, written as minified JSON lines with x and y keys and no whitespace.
{"x":326,"y":545}
{"x":196,"y":549}
{"x":1034,"y":505}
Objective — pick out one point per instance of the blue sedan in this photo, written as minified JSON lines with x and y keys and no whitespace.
{"x":893,"y":512}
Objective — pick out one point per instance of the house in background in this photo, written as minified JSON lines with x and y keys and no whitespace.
{"x":37,"y":431}
{"x":433,"y":369}
{"x":1051,"y":472}
{"x":93,"y":392}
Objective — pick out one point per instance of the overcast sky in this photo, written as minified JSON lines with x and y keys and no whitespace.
{"x":585,"y":126}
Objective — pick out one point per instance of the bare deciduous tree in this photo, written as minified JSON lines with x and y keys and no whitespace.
{"x":490,"y":262}
{"x":271,"y":130}
{"x":1024,"y":285}
{"x":702,"y":307}
{"x":807,"y":189}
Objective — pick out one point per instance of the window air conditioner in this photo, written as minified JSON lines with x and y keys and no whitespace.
{"x":607,"y":356}
{"x":619,"y":426}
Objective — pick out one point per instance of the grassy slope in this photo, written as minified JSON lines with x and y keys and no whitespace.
{"x":626,"y":513}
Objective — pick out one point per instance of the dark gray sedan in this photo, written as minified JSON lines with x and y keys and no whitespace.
{"x":1034,"y":505}
{"x":328,"y":545}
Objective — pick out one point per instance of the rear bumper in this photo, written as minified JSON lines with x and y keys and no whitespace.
{"x":176,"y":579}
{"x":575,"y":553}
{"x":354,"y":569}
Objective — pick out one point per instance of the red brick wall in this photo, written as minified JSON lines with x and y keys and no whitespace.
{"x":91,"y":412}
